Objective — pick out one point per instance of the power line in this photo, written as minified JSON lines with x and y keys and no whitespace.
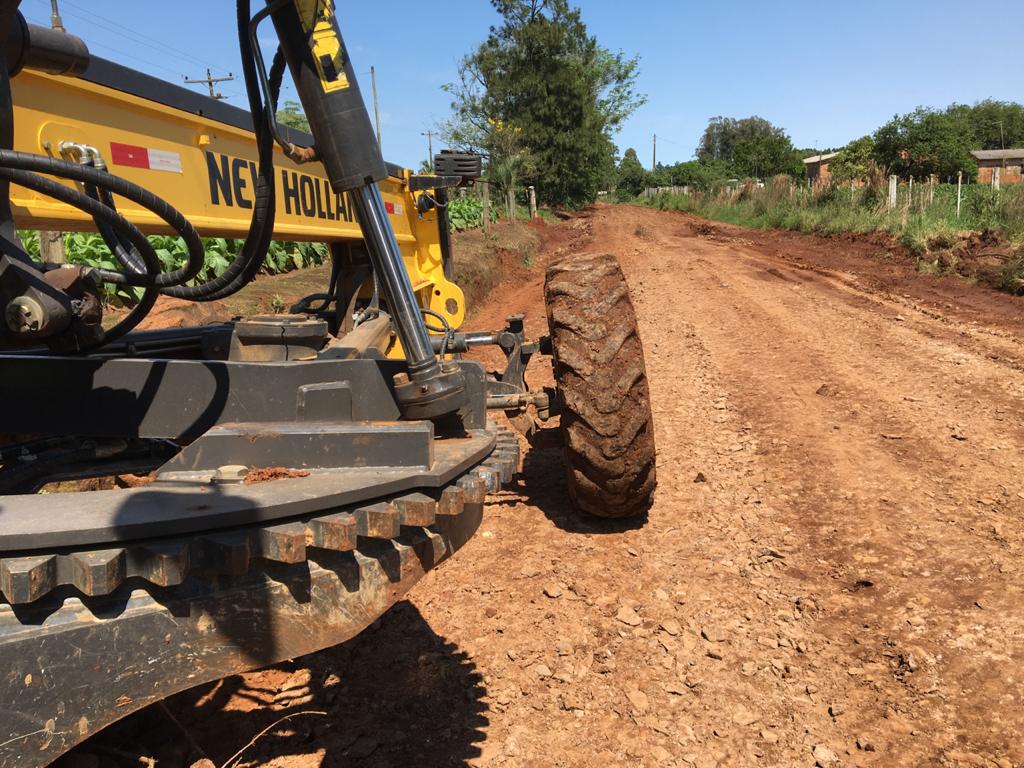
{"x":134,"y":58}
{"x":132,"y":35}
{"x":91,"y":15}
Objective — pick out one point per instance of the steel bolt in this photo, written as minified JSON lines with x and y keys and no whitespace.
{"x":24,"y":315}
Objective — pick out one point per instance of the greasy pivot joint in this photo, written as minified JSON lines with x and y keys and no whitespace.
{"x":432,"y":393}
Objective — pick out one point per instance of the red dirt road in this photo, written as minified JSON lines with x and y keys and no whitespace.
{"x":831,"y":572}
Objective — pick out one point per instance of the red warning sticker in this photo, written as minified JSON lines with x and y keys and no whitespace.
{"x":144,"y":157}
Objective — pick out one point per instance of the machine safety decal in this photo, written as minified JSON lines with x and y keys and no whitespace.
{"x":318,"y":19}
{"x":143,"y":157}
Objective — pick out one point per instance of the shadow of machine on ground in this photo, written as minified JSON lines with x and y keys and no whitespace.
{"x":398,"y":694}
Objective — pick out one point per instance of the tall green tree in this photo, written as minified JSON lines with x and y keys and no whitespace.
{"x":631,"y":176}
{"x":927,"y":141}
{"x":541,"y":77}
{"x":994,"y":124}
{"x":853,"y":160}
{"x":291,"y":114}
{"x":753,"y":145}
{"x":940,"y":141}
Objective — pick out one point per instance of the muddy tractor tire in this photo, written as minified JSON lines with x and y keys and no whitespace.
{"x":603,"y":395}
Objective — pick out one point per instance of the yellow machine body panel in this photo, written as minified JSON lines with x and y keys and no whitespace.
{"x":206,"y":169}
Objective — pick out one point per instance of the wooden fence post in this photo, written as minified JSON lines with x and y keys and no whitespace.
{"x":533,"y":202}
{"x":995,"y":178}
{"x":485,"y":191}
{"x":892,"y":192}
{"x":959,"y":188}
{"x":51,"y":247}
{"x":510,"y":202}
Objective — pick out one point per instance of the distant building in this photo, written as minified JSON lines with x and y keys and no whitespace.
{"x":1008,"y":161}
{"x":817,"y":167}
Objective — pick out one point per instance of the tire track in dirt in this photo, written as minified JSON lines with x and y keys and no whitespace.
{"x":873,"y":506}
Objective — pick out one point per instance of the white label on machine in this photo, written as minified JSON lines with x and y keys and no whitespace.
{"x":159,"y":160}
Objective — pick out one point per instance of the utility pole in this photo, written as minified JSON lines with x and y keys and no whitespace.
{"x":55,"y":20}
{"x":430,"y":147}
{"x":654,"y":155}
{"x":376,"y":105}
{"x":210,"y":80}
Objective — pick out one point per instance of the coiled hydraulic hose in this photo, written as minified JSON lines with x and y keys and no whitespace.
{"x":150,"y":263}
{"x":128,"y":244}
{"x":24,"y":169}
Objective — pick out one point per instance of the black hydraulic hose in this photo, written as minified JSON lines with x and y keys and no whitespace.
{"x":127,"y":256}
{"x":23,"y":161}
{"x":116,"y":221}
{"x":97,"y":210}
{"x":243,"y":269}
{"x":127,"y":243}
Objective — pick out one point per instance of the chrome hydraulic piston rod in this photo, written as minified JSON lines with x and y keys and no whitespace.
{"x":345,"y":141}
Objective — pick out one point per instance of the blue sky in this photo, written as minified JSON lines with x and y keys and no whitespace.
{"x":827,"y":72}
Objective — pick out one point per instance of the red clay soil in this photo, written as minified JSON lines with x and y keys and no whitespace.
{"x":266,"y":474}
{"x":831,"y":572}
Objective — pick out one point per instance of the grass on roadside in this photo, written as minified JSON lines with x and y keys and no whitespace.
{"x":925,"y":221}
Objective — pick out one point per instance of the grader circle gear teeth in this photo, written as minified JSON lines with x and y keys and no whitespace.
{"x":451,"y":501}
{"x":378,"y":521}
{"x":168,"y":563}
{"x":416,"y":510}
{"x":25,"y":579}
{"x":475,"y":488}
{"x":336,"y":533}
{"x":163,"y":564}
{"x":99,"y":572}
{"x":603,"y":395}
{"x":227,"y":553}
{"x":504,"y":465}
{"x":283,"y":543}
{"x":491,"y":478}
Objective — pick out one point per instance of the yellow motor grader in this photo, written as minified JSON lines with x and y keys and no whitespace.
{"x":307,"y":468}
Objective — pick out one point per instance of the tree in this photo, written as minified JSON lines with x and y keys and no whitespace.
{"x":854,"y":160}
{"x":541,"y":78}
{"x":755,"y":146}
{"x":291,"y":114}
{"x":631,"y":176}
{"x":701,"y":174}
{"x":994,"y":124}
{"x":927,"y":141}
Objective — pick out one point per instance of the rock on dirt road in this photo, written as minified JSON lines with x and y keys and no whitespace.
{"x":830,"y":574}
